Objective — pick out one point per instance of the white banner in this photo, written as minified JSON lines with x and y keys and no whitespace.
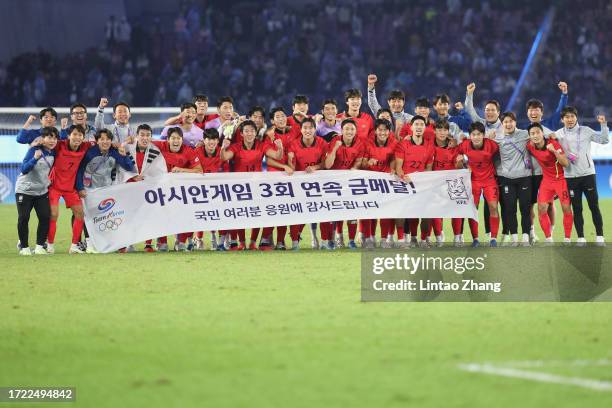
{"x":125,"y":214}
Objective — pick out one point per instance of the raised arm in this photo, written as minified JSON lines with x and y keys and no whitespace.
{"x":372,"y":100}
{"x":469,"y":104}
{"x":99,"y":121}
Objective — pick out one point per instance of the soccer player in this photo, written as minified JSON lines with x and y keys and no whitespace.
{"x":514,"y":176}
{"x":48,"y":118}
{"x":379,"y":156}
{"x":179,"y":158}
{"x":121,"y":129}
{"x":307,"y":154}
{"x":480,"y":152}
{"x":345,"y":152}
{"x":98,"y":168}
{"x":396,"y":101}
{"x":32,"y":191}
{"x":190,"y":133}
{"x":68,"y":156}
{"x":300,"y":112}
{"x":210,"y":160}
{"x":422,"y":108}
{"x":328,"y":121}
{"x":412,"y":155}
{"x":78,"y":113}
{"x":535,"y":113}
{"x":552,"y":159}
{"x":201,"y":119}
{"x":248,"y":157}
{"x":445,"y":154}
{"x":580,"y":174}
{"x":225,"y":124}
{"x":457,"y":123}
{"x":363,"y":121}
{"x":492,"y":124}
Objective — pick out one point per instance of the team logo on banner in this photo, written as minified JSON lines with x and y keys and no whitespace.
{"x":106,"y":205}
{"x":456,"y":189}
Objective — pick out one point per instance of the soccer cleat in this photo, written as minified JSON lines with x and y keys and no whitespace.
{"x":493,"y":243}
{"x":198,"y":244}
{"x":40,"y":250}
{"x":25,"y":251}
{"x":384,"y":243}
{"x":149,"y":248}
{"x":50,"y":248}
{"x":475,"y":243}
{"x":221,"y":248}
{"x":352,"y":245}
{"x":581,"y":242}
{"x":314,"y":243}
{"x":252,"y":246}
{"x":425,"y":243}
{"x":295,"y":245}
{"x":330,"y":245}
{"x":440,"y":241}
{"x":82,"y":245}
{"x":75,"y":249}
{"x":280,"y":246}
{"x":457,"y":242}
{"x":548,"y":241}
{"x":265,"y":246}
{"x":533,"y":237}
{"x":90,"y":249}
{"x":567,"y":241}
{"x":131,"y":248}
{"x":182,"y":247}
{"x":414,"y":242}
{"x":339,"y":241}
{"x":162,"y":247}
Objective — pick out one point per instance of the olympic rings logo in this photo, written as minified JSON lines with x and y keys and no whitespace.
{"x":106,"y":204}
{"x":110,"y":225}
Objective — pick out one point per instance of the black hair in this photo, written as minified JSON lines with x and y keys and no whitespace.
{"x":418,"y":117}
{"x":535,"y":103}
{"x":348,"y":121}
{"x":383,"y":110}
{"x":422,"y":103}
{"x":144,"y":126}
{"x":211,"y":133}
{"x":188,"y":105}
{"x":175,"y":129}
{"x":274,"y":110}
{"x":568,"y":110}
{"x":78,"y":105}
{"x":477,"y":126}
{"x":308,"y":120}
{"x":224,"y":99}
{"x":444,"y":98}
{"x":329,"y":102}
{"x":49,"y":109}
{"x":300,"y":99}
{"x":257,"y":108}
{"x":248,"y":123}
{"x":534,"y":125}
{"x":121,"y":103}
{"x":396,"y":94}
{"x":101,"y":132}
{"x":49,"y":131}
{"x":200,"y":98}
{"x":442,"y":124}
{"x":382,"y":122}
{"x":78,"y":128}
{"x":352,"y":93}
{"x":505,"y":115}
{"x":494,"y":102}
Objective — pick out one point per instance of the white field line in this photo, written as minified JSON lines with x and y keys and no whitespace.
{"x":596,"y":385}
{"x":552,"y":363}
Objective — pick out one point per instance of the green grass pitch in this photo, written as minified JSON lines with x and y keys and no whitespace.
{"x":274,"y":329}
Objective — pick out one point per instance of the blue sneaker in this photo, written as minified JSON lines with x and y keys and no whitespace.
{"x":475,"y":243}
{"x":493,"y":243}
{"x":352,"y":245}
{"x":221,"y":248}
{"x":330,"y":245}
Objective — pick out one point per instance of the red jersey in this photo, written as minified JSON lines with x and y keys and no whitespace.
{"x":551,"y":169}
{"x":308,"y":155}
{"x":416,"y":157}
{"x":445,"y":157}
{"x":346,"y":155}
{"x":480,"y":161}
{"x":383,"y":155}
{"x":212,"y":163}
{"x":64,"y":171}
{"x":185,"y":158}
{"x":296,"y":125}
{"x":288,"y":137}
{"x":429,"y":135}
{"x":207,"y":118}
{"x":248,"y":160}
{"x":365,"y":124}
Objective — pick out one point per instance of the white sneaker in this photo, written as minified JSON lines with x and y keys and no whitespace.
{"x":515,"y":242}
{"x":413,"y":242}
{"x":549,"y":241}
{"x":567,"y":241}
{"x":599,"y":241}
{"x":339,"y":241}
{"x":75,"y":249}
{"x":440,"y":241}
{"x":581,"y":242}
{"x":40,"y":250}
{"x":314,"y":243}
{"x":457,"y":241}
{"x":526,"y":241}
{"x":533,"y":237}
{"x":386,"y":244}
{"x":181,"y":247}
{"x":50,"y":248}
{"x":295,"y":245}
{"x":18,"y":245}
{"x":25,"y":251}
{"x":389,"y":241}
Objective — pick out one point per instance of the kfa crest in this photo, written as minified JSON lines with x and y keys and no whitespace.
{"x":456,"y":189}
